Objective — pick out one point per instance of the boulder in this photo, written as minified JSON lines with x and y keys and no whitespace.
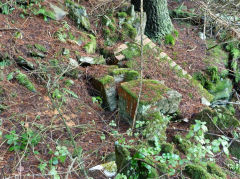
{"x":107,"y":84}
{"x":155,"y":97}
{"x":91,"y":60}
{"x":79,"y":15}
{"x":218,"y":118}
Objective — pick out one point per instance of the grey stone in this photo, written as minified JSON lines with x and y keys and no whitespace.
{"x":205,"y":101}
{"x":91,"y":60}
{"x":79,"y":15}
{"x":73,"y":62}
{"x":58,"y":12}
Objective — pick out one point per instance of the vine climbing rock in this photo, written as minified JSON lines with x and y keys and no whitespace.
{"x":159,"y":23}
{"x":155,"y":97}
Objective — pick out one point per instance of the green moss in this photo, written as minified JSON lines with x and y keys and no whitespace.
{"x":40,"y":47}
{"x":169,"y":39}
{"x":128,"y":74}
{"x":106,"y":80}
{"x":156,"y":125}
{"x":221,"y":117}
{"x":201,"y":90}
{"x":91,"y":46}
{"x":106,"y":32}
{"x":122,"y":14}
{"x":176,"y":33}
{"x":214,"y":169}
{"x":122,"y":158}
{"x":152,"y":90}
{"x":23,"y":80}
{"x":182,"y":144}
{"x":167,"y":148}
{"x":112,"y":27}
{"x":132,"y":51}
{"x":129,"y":30}
{"x":132,"y":64}
{"x":216,"y":55}
{"x":73,"y":73}
{"x":197,"y":172}
{"x":234,"y":150}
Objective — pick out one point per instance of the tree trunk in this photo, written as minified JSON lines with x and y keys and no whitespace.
{"x":159,"y":23}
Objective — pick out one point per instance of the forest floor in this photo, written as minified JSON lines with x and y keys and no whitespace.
{"x":89,"y":123}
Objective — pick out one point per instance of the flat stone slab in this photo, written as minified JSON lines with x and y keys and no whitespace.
{"x":155,"y":97}
{"x":120,"y":48}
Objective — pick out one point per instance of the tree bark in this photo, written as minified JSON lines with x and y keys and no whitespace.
{"x":159,"y":23}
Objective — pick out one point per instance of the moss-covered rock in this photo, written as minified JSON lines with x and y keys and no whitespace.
{"x":234,"y":150}
{"x":156,"y":125}
{"x":155,"y":97}
{"x":91,"y":46}
{"x":197,"y":172}
{"x":132,"y":51}
{"x":182,"y":144}
{"x":167,"y":148}
{"x":123,"y":158}
{"x":22,"y":62}
{"x":124,"y":74}
{"x":214,"y":169}
{"x":78,"y":14}
{"x":220,"y":117}
{"x":129,"y":30}
{"x":90,"y":60}
{"x":202,"y":91}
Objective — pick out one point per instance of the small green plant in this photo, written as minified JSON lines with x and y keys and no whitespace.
{"x":45,"y":13}
{"x":97,"y":99}
{"x":176,"y":33}
{"x":61,"y":153}
{"x":19,"y":142}
{"x":170,"y":40}
{"x":5,"y":8}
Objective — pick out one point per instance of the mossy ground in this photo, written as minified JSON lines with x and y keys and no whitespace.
{"x":217,"y":56}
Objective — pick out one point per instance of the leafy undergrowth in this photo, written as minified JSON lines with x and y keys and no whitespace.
{"x":52,"y":126}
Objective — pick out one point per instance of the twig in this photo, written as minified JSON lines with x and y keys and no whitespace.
{"x":7,"y":29}
{"x":141,"y":73}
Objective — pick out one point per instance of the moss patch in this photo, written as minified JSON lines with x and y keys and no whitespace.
{"x":128,"y":74}
{"x":216,"y":55}
{"x":214,"y":169}
{"x":182,"y":144}
{"x":197,"y":172}
{"x":167,"y":148}
{"x":132,"y":51}
{"x":152,"y":90}
{"x":221,"y":117}
{"x":106,"y":80}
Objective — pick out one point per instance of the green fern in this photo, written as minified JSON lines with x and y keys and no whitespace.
{"x":70,"y":92}
{"x":23,"y":80}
